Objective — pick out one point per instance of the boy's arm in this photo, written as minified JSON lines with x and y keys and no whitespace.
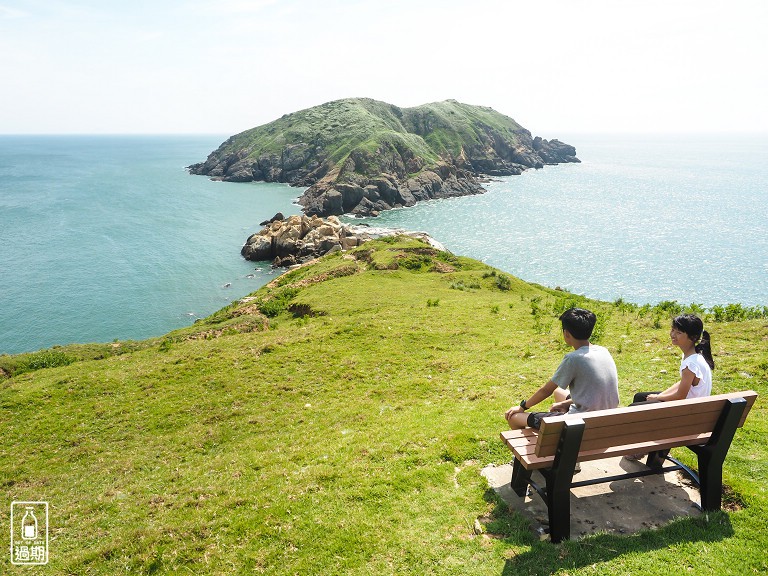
{"x":562,"y":406}
{"x":541,"y":394}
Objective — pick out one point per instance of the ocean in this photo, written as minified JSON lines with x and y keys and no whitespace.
{"x":108,"y":238}
{"x":642,"y":218}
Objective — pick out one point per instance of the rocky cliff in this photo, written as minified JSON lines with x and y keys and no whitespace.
{"x":362,"y":156}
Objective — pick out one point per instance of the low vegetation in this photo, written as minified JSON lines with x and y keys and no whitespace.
{"x":335,"y":422}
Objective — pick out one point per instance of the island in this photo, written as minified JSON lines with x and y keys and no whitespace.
{"x":361,"y":156}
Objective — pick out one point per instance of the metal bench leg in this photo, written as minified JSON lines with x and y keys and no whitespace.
{"x":656,"y":459}
{"x":559,"y":480}
{"x":712,"y":455}
{"x":520,"y":478}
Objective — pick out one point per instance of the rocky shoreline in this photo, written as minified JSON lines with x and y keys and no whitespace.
{"x":299,"y":239}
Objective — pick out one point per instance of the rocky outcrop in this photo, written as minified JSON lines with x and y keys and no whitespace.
{"x":296,"y":164}
{"x":554,"y":151}
{"x":299,"y":239}
{"x":370,"y":196}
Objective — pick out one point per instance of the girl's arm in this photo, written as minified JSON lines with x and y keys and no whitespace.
{"x":679,"y":390}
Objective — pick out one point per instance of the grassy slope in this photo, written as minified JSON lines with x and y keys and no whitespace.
{"x":351,"y":441}
{"x":450,"y":126}
{"x":341,"y":126}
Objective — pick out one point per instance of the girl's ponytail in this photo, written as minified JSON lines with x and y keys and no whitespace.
{"x":705,"y":349}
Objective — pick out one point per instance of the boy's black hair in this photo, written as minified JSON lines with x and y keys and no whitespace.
{"x":579,"y":322}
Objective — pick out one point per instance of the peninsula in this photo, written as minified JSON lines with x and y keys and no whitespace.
{"x":362,"y":156}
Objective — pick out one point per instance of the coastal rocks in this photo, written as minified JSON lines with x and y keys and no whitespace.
{"x":278,"y":216}
{"x":370,"y":196}
{"x":554,"y":151}
{"x":296,"y":164}
{"x":299,"y":239}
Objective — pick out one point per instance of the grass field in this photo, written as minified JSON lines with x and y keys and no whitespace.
{"x":336,"y":423}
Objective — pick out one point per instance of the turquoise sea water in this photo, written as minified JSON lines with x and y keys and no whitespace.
{"x":108,"y":237}
{"x":641,"y":218}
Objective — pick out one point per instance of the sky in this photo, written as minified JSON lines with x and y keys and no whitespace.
{"x":224,"y":66}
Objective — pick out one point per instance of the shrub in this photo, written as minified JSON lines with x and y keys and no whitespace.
{"x":303,"y":310}
{"x":50,"y":359}
{"x":736,"y":312}
{"x":564,"y":303}
{"x":599,"y":330}
{"x":279,"y":302}
{"x":624,"y":306}
{"x":415,"y":261}
{"x":694,"y":308}
{"x":668,"y":308}
{"x":503,"y":282}
{"x":271,"y":308}
{"x":461,"y":286}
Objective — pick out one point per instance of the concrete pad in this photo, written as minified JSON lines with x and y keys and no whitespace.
{"x":618,"y":507}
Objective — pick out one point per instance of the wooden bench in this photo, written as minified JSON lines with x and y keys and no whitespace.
{"x":704,"y":425}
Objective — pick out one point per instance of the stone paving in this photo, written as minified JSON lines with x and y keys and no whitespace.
{"x":619,"y":507}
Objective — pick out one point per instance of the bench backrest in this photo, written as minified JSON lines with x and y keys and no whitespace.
{"x":687,"y":422}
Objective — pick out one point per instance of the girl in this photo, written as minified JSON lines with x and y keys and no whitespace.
{"x":696,"y":367}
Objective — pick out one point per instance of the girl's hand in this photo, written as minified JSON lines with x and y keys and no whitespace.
{"x":652,"y":397}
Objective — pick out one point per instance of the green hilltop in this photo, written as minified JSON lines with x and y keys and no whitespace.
{"x":363,"y":156}
{"x":335,"y":422}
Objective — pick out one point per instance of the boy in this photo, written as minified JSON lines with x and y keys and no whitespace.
{"x":588,"y":373}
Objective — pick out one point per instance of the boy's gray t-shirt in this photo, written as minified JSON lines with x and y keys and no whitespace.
{"x":590,"y":376}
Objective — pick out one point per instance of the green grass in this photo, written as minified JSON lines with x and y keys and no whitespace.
{"x":374,"y":132}
{"x":349,"y":440}
{"x":450,"y":126}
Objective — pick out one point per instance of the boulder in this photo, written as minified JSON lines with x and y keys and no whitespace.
{"x":275,"y":218}
{"x":257,"y":248}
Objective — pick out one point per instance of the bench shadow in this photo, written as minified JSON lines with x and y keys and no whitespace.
{"x":546,"y":558}
{"x":543,"y":557}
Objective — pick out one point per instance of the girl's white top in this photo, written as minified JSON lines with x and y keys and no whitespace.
{"x":698,"y":365}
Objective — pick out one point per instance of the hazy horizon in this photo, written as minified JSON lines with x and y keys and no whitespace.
{"x":224,"y":66}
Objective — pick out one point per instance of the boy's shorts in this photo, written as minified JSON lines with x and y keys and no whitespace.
{"x":534,"y":418}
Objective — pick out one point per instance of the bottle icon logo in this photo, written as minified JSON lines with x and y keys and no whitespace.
{"x":29,"y":533}
{"x":29,"y":524}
